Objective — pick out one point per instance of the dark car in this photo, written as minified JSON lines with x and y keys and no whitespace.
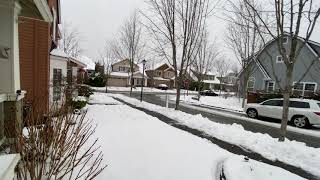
{"x":162,"y":86}
{"x":208,"y":93}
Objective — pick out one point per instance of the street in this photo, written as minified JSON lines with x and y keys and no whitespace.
{"x":250,"y":126}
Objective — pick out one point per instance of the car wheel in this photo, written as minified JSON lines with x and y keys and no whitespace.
{"x":300,"y":121}
{"x":252,"y":113}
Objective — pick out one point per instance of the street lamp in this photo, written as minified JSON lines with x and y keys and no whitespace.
{"x":144,"y":64}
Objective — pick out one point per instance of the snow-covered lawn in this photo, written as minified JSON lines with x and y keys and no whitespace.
{"x":137,"y":146}
{"x":138,"y":89}
{"x":231,"y":103}
{"x":237,"y":168}
{"x":290,"y":152}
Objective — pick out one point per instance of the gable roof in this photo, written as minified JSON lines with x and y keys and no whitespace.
{"x":135,"y":64}
{"x":310,"y":45}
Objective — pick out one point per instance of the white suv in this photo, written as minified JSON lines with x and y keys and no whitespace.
{"x":302,"y":112}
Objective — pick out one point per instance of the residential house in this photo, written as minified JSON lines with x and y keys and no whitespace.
{"x":230,"y":82}
{"x":17,"y":36}
{"x":38,"y":36}
{"x":75,"y":75}
{"x":66,"y":73}
{"x":212,"y":81}
{"x":161,"y":74}
{"x":120,"y":75}
{"x":58,"y":74}
{"x":268,"y":62}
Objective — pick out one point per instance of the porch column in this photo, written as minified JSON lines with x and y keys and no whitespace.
{"x":9,"y":68}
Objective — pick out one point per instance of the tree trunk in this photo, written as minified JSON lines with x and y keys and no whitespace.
{"x":244,"y":99}
{"x":178,"y":93}
{"x":107,"y":84}
{"x":199,"y":90}
{"x":286,"y":99}
{"x":131,"y":80}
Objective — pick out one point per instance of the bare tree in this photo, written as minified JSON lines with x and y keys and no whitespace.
{"x":204,"y":60}
{"x":70,"y":40}
{"x":244,"y":40}
{"x":177,"y":27}
{"x":290,"y":18}
{"x":222,"y":67}
{"x":130,"y":45}
{"x":107,"y":58}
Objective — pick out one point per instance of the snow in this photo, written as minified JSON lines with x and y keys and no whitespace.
{"x":139,"y":146}
{"x":87,"y":61}
{"x":80,"y":98}
{"x":242,"y":116}
{"x":7,"y":165}
{"x":59,"y":52}
{"x":101,"y":98}
{"x":231,"y":103}
{"x":138,"y":89}
{"x":290,"y":152}
{"x":119,"y":74}
{"x":237,"y":167}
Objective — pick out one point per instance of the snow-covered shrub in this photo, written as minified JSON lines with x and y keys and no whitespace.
{"x":60,"y":148}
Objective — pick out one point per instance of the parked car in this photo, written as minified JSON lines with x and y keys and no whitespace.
{"x":208,"y":93}
{"x":302,"y":112}
{"x":162,"y":86}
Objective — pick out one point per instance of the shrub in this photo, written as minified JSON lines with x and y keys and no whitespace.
{"x":97,"y":80}
{"x":79,"y":102}
{"x":84,"y":90}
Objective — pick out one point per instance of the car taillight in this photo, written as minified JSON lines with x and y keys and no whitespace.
{"x":317,"y":113}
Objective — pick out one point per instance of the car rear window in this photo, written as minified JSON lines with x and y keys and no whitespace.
{"x":299,"y":104}
{"x":318,"y":104}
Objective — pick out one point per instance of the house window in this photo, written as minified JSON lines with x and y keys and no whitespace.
{"x":139,"y":82}
{"x":304,"y":88}
{"x":57,"y":79}
{"x":158,"y":73}
{"x":285,"y":40}
{"x":270,"y":86}
{"x":122,"y":69}
{"x":279,"y":59}
{"x":251,"y":83}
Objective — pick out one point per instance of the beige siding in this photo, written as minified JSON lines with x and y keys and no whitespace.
{"x":117,"y":82}
{"x":125,"y":64}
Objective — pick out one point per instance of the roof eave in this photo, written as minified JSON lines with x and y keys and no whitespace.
{"x":44,"y":10}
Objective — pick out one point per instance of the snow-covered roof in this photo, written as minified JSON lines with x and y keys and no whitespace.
{"x":87,"y":61}
{"x":215,"y":81}
{"x":161,"y":79}
{"x":59,"y":52}
{"x":119,"y":74}
{"x":75,"y":60}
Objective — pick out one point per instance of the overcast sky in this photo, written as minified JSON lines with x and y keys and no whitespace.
{"x":99,"y":20}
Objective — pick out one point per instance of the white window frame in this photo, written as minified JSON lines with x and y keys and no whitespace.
{"x":277,"y":61}
{"x":254,"y":82}
{"x":287,"y":40}
{"x":273,"y":87}
{"x":304,"y":86}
